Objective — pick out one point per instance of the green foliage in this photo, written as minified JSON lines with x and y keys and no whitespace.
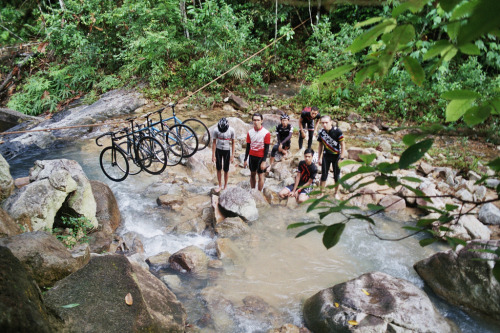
{"x":78,"y":228}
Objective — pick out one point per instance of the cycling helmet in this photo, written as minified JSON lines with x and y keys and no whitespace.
{"x":223,"y":125}
{"x":285,"y":116}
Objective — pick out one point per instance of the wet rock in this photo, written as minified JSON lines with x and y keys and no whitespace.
{"x":8,"y":227}
{"x":193,"y":225}
{"x":197,"y":164}
{"x":66,"y":189}
{"x":107,"y":214}
{"x":255,"y":308}
{"x":218,"y":214}
{"x":220,"y":310}
{"x":170,"y":201}
{"x":20,"y":182}
{"x":6,"y":181}
{"x":271,"y":193}
{"x":227,"y":250}
{"x":21,"y":306}
{"x":260,"y":199}
{"x":462,"y":280}
{"x":231,"y":227}
{"x":288,"y":328}
{"x":43,"y":256}
{"x":384,"y":307}
{"x":138,"y":259}
{"x":173,"y":283}
{"x":101,"y":287}
{"x":489,"y":214}
{"x":191,"y":259}
{"x":10,"y":118}
{"x":159,"y":261}
{"x":239,"y":202}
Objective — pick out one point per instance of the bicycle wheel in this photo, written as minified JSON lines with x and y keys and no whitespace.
{"x":134,"y":167}
{"x":114,"y":164}
{"x":188,"y":138}
{"x":201,"y":130}
{"x":172,"y":144}
{"x":152,"y":156}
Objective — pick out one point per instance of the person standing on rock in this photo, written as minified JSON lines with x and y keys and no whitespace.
{"x":306,"y":172}
{"x":258,"y":141}
{"x":332,"y":143}
{"x":223,"y":150}
{"x":284,"y":133}
{"x":308,"y":125}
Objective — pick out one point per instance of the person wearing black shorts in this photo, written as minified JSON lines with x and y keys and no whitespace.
{"x":258,"y":141}
{"x":331,"y":142}
{"x":284,"y":133}
{"x":223,"y":150}
{"x":306,"y":172}
{"x":308,"y":124}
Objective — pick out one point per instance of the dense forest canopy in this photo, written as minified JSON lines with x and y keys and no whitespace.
{"x":55,"y":51}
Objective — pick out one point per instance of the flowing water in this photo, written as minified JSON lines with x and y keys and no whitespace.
{"x":269,"y":261}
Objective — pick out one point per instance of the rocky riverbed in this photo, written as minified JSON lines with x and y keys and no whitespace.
{"x":99,"y":269}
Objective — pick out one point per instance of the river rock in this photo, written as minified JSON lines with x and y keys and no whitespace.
{"x":21,"y":305}
{"x":108,"y":216}
{"x":240,"y":130}
{"x":220,"y":310}
{"x":256,"y":309}
{"x":6,"y":181}
{"x":231,"y":227}
{"x":218,"y":214}
{"x":462,"y":280}
{"x":392,"y":203}
{"x":197,"y":164}
{"x":159,"y":261}
{"x":344,"y":126}
{"x":43,"y":256}
{"x":377,"y":302}
{"x":492,"y":182}
{"x":170,"y":201}
{"x":271,"y":193}
{"x":425,"y":168}
{"x":190,"y":259}
{"x":11,"y":118}
{"x":8,"y":227}
{"x":227,"y":250}
{"x":475,"y":228}
{"x":100,"y":289}
{"x":237,"y":102}
{"x":191,"y":225}
{"x":489,"y":214}
{"x":66,"y":189}
{"x":239,"y":202}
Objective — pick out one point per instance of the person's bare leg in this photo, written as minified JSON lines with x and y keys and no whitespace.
{"x":226,"y":177}
{"x":219,"y":178}
{"x":253,"y":179}
{"x":262,"y":179}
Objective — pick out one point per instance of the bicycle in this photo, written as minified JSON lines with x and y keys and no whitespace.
{"x":146,"y":152}
{"x":201,"y":130}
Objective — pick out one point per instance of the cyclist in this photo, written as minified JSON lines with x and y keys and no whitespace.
{"x":223,"y":150}
{"x":283,"y":134}
{"x":258,"y":141}
{"x":306,"y":173}
{"x":308,"y":125}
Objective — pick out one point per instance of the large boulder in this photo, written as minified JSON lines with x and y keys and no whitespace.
{"x":238,"y":202}
{"x":465,"y":277}
{"x":240,"y":128}
{"x":108,"y":216}
{"x":6,"y":181}
{"x":21,"y":305}
{"x":43,"y":256}
{"x":489,"y":214}
{"x":231,"y":227}
{"x":373,"y":302}
{"x":57,"y":188}
{"x":237,"y":102}
{"x":99,"y":290}
{"x":10,"y":118}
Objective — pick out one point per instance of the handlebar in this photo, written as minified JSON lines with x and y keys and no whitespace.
{"x":100,"y":136}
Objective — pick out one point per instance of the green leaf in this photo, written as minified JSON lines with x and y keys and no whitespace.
{"x":470,"y":49}
{"x":412,"y":138}
{"x":439,"y":48}
{"x":367,"y":158}
{"x":365,"y":72}
{"x":456,"y":108}
{"x":412,"y":179}
{"x":450,"y":208}
{"x":476,"y":115}
{"x":308,"y":230}
{"x":386,"y":167}
{"x":369,"y":22}
{"x":69,"y":306}
{"x":417,"y":192}
{"x":412,"y":228}
{"x":448,"y":5}
{"x":363,"y":217}
{"x":414,"y":153}
{"x":460,"y":94}
{"x":449,"y":54}
{"x":425,"y":222}
{"x":415,"y":70}
{"x":374,"y":207}
{"x":453,"y":29}
{"x":316,"y":202}
{"x":483,"y":19}
{"x":348,"y":162}
{"x":463,"y":10}
{"x":298,"y":225}
{"x":335,"y":73}
{"x":412,"y":5}
{"x":495,"y":164}
{"x":370,"y":36}
{"x":332,"y":235}
{"x":427,"y":241}
{"x":495,"y":105}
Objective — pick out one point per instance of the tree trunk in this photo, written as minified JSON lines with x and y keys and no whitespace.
{"x":182,"y":5}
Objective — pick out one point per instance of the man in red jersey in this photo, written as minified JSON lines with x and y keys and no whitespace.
{"x":258,"y":141}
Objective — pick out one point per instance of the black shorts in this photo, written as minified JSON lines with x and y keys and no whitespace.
{"x":286,"y":146}
{"x":330,"y":159}
{"x":222,"y":156}
{"x":308,"y":125}
{"x":254,"y":163}
{"x":305,"y":190}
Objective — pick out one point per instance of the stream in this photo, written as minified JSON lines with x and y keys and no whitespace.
{"x":272,"y":264}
